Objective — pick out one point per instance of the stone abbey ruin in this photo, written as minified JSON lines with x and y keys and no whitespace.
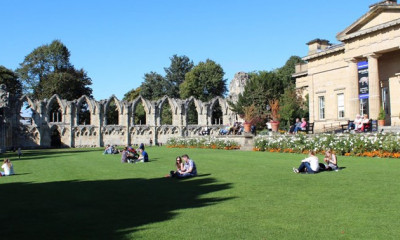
{"x":85,"y":122}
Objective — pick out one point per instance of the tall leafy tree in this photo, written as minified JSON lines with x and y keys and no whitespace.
{"x":205,"y":81}
{"x":10,"y":79}
{"x":285,"y":72}
{"x":132,"y":94}
{"x":154,"y":86}
{"x":261,"y":87}
{"x":49,"y":64}
{"x":68,"y":84}
{"x":175,"y":73}
{"x":267,"y":85}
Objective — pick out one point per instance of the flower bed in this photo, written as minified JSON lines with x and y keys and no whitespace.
{"x":204,"y":142}
{"x":370,"y":145}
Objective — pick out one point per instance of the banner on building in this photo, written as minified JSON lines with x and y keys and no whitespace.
{"x":363,"y":81}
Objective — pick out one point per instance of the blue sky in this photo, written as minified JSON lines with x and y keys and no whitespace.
{"x":118,"y":41}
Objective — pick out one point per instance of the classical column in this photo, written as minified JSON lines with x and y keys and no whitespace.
{"x":373,"y":75}
{"x":352,"y":105}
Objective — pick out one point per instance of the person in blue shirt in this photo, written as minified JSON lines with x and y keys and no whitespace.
{"x":144,"y":157}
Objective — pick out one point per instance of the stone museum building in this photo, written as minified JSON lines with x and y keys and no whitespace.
{"x":360,"y":74}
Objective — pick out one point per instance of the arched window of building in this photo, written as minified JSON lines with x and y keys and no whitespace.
{"x":166,"y":113}
{"x":216,"y":114}
{"x":191,"y":113}
{"x":139,"y":113}
{"x":55,"y":138}
{"x":112,"y":113}
{"x":83,"y":114}
{"x":55,"y":113}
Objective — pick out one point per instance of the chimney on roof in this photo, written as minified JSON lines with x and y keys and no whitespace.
{"x":317,"y":45}
{"x":384,"y":3}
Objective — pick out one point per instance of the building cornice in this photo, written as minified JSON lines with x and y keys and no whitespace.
{"x":330,"y":50}
{"x":369,"y":30}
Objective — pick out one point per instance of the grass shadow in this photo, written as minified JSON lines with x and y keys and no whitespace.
{"x":47,"y":153}
{"x":104,"y":209}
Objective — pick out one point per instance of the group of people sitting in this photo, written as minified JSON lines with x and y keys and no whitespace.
{"x":298,"y":126}
{"x":236,"y":129}
{"x":360,"y":124}
{"x":131,"y":155}
{"x":183,"y":169}
{"x":111,"y":149}
{"x":311,"y":163}
{"x":8,"y":168}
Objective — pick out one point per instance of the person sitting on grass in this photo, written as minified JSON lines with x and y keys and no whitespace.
{"x":124,"y":155}
{"x":331,"y":161}
{"x":7,"y":167}
{"x":141,"y":146}
{"x":189,"y":170}
{"x":108,"y":149}
{"x":179,"y":167}
{"x":308,"y":165}
{"x":144,"y":157}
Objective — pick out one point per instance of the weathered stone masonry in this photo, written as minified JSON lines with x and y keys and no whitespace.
{"x":47,"y":125}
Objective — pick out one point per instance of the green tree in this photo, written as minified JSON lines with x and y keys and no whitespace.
{"x":166,"y":114}
{"x":132,"y":94}
{"x":140,"y":115}
{"x":10,"y":79}
{"x":49,"y":64}
{"x":154,"y":86}
{"x":261,"y":87}
{"x":285,"y":73}
{"x":112,"y":114}
{"x":175,"y":73}
{"x":69,"y":84}
{"x":204,"y":82}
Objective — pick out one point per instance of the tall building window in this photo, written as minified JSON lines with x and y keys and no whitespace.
{"x":364,"y":106}
{"x":340,"y":105}
{"x":321,"y":107}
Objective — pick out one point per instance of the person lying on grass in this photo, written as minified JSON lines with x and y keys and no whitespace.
{"x":179,"y":167}
{"x":308,"y":165}
{"x":8,"y":168}
{"x":331,"y":161}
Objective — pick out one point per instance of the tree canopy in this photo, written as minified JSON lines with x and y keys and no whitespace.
{"x":154,"y":86}
{"x":47,"y":70}
{"x":10,"y":79}
{"x":264,"y":86}
{"x":175,"y":73}
{"x":204,"y":82}
{"x":132,"y":94}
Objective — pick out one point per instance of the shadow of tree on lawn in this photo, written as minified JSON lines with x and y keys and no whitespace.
{"x":104,"y":209}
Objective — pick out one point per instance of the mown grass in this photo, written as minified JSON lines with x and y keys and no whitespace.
{"x":82,"y":194}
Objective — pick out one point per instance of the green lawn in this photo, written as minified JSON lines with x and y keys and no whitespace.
{"x":82,"y":194}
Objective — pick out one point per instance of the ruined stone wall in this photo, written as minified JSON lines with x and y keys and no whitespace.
{"x":59,"y":126}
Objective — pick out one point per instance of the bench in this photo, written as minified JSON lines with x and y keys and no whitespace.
{"x":309,"y":128}
{"x":347,"y":125}
{"x":371,"y":126}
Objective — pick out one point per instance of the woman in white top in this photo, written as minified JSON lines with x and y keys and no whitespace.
{"x":330,"y":160}
{"x":8,"y":168}
{"x":358,"y":122}
{"x":309,"y":165}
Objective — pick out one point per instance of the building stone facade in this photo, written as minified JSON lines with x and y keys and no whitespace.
{"x":55,"y":122}
{"x":360,"y":75}
{"x":237,"y":85}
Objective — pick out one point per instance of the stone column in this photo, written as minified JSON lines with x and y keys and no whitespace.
{"x":374,"y":89}
{"x":352,"y":105}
